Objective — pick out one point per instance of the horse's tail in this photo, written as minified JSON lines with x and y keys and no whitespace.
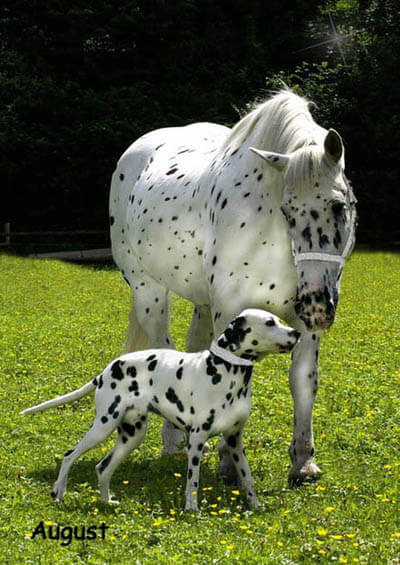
{"x":65,"y":399}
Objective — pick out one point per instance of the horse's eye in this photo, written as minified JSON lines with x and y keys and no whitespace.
{"x":284,"y":212}
{"x":337,"y":208}
{"x":270,"y":323}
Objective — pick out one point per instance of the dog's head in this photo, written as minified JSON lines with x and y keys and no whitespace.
{"x":258,"y":332}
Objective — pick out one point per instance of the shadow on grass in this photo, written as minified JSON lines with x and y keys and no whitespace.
{"x":151,"y":483}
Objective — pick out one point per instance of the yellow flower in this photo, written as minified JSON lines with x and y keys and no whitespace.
{"x":350,"y":536}
{"x":322,"y":532}
{"x":279,"y":543}
{"x":337,"y":537}
{"x":329,"y":509}
{"x":243,"y":527}
{"x":125,"y":482}
{"x":48,"y":523}
{"x":236,"y":492}
{"x":172,"y":511}
{"x":178,"y":475}
{"x":387,"y":467}
{"x":230,"y":546}
{"x":223,"y":542}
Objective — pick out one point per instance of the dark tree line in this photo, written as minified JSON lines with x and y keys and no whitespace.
{"x":80,"y":81}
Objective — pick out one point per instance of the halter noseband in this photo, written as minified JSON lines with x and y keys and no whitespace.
{"x":228,"y":356}
{"x":315,"y":256}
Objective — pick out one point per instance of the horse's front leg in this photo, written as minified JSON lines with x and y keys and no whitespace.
{"x":303,"y":377}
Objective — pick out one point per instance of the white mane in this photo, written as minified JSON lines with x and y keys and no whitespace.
{"x":284,"y":124}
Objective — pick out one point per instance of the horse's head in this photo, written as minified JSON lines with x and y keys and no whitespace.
{"x":319,"y":207}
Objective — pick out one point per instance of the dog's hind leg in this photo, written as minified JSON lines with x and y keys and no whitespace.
{"x":131,"y":432}
{"x":100,"y":430}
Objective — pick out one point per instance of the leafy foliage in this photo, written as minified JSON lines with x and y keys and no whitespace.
{"x":80,"y":82}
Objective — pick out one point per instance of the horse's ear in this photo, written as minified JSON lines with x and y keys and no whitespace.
{"x":333,"y":145}
{"x":276,"y":160}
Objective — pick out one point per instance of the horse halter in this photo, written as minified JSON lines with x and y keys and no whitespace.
{"x":316,"y":256}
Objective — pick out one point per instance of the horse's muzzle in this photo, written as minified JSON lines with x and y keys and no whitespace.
{"x":316,"y":309}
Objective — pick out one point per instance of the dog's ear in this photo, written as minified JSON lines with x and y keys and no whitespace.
{"x":233,"y":335}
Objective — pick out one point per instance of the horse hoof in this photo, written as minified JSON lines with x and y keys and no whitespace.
{"x":309,"y":472}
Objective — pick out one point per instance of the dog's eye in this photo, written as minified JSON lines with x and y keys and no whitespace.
{"x":270,"y":323}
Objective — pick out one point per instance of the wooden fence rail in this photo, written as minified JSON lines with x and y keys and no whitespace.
{"x":36,"y":240}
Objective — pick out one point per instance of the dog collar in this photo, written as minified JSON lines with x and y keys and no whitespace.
{"x":228,"y":356}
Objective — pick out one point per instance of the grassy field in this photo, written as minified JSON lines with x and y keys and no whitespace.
{"x":61,"y":324}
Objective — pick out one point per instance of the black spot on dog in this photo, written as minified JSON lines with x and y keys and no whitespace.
{"x":231,"y":441}
{"x":173,"y":398}
{"x":105,"y":463}
{"x":152,"y":365}
{"x":133,"y":387}
{"x":128,"y":428}
{"x":131,"y":371}
{"x":116,"y":371}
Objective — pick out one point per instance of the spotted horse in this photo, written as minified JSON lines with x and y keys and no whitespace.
{"x":202,"y":394}
{"x":258,"y":216}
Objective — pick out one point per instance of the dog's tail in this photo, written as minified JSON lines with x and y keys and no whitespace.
{"x":65,"y":399}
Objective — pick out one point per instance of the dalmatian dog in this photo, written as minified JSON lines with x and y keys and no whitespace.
{"x":202,"y":394}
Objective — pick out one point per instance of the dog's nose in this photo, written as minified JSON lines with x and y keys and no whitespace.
{"x":295,"y":334}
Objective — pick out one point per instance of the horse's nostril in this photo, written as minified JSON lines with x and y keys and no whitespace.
{"x":330,"y":308}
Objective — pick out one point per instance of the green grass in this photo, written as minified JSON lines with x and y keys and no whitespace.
{"x":61,"y":324}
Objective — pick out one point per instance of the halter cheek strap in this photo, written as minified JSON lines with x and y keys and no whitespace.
{"x":228,"y":356}
{"x":315,"y":256}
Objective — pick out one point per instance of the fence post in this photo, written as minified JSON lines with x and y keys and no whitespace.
{"x":7,"y":234}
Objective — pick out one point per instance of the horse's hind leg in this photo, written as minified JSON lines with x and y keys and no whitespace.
{"x":148,"y":319}
{"x":201,"y":330}
{"x":148,"y":327}
{"x":137,"y":339}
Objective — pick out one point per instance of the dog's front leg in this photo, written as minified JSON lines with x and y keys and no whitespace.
{"x":234,"y":444}
{"x":195,"y":451}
